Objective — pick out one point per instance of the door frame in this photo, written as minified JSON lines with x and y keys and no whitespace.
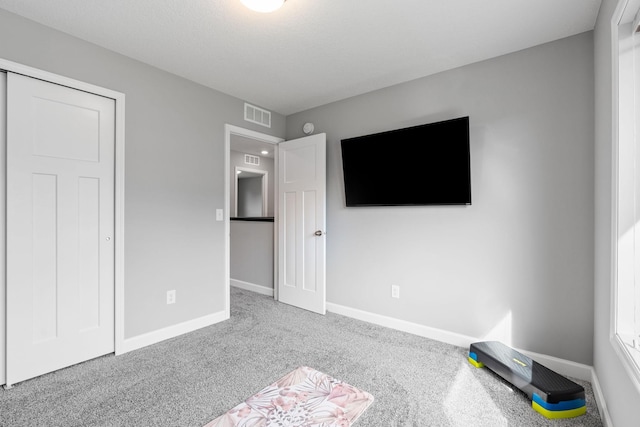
{"x":119,"y":98}
{"x":230,"y":130}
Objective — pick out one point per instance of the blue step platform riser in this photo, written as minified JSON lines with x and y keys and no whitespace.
{"x":560,"y":406}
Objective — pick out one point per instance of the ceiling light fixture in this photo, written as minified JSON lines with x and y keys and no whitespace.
{"x":264,"y":152}
{"x":264,"y":6}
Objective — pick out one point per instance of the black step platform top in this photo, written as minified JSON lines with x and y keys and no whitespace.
{"x":525,"y":373}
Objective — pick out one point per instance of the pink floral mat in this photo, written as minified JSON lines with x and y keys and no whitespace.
{"x":302,"y":398}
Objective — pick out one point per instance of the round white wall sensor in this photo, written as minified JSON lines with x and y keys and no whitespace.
{"x":308,"y":128}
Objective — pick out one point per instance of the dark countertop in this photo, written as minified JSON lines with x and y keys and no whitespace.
{"x":253,"y":218}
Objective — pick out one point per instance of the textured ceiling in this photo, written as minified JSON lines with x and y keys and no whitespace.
{"x":311,"y":52}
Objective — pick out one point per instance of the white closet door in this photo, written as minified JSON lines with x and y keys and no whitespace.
{"x":60,"y":225}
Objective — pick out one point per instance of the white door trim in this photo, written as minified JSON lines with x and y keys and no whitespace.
{"x":119,"y":99}
{"x":263,"y":137}
{"x":3,"y":198}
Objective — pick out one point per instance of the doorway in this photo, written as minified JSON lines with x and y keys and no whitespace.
{"x":252,"y":193}
{"x":250,"y":188}
{"x":299,"y":219}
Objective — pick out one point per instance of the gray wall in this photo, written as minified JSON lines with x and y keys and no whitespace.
{"x":621,"y":395}
{"x":174,"y":171}
{"x":524,"y":249}
{"x":252,"y":252}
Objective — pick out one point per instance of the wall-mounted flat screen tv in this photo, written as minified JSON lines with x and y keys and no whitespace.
{"x":420,"y":165}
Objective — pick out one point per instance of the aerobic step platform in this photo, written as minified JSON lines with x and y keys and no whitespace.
{"x":551,"y":394}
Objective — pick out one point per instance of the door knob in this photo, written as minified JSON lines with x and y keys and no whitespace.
{"x":318,"y":233}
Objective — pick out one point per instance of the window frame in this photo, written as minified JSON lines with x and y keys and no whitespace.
{"x":626,"y":174}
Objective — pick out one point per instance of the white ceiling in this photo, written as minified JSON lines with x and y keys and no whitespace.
{"x":252,"y":146}
{"x":311,"y":52}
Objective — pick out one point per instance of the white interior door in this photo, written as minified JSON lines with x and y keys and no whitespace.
{"x":60,"y":225}
{"x":301,"y":222}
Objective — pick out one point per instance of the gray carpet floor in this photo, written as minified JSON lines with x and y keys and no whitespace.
{"x":189,"y":380}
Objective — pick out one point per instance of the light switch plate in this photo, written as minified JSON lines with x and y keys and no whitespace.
{"x":219,"y":215}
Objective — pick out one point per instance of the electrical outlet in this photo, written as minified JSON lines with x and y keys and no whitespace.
{"x":171,"y":297}
{"x":395,"y":291}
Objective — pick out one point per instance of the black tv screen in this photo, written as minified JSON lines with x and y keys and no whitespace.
{"x":421,"y":165}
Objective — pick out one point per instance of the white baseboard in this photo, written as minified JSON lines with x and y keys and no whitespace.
{"x":562,"y":366}
{"x":251,"y":287}
{"x":173,"y":331}
{"x":402,"y":325}
{"x":600,"y":401}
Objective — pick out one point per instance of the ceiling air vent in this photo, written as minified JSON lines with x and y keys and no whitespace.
{"x":257,"y":115}
{"x":251,"y":160}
